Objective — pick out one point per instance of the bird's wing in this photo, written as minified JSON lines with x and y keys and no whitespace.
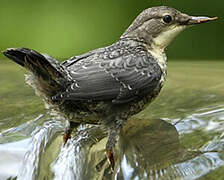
{"x":110,"y":75}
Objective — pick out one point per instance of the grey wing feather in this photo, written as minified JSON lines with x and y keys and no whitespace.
{"x":139,"y":78}
{"x":91,"y":82}
{"x":119,"y":79}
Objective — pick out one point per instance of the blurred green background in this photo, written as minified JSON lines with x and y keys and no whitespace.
{"x":71,"y":27}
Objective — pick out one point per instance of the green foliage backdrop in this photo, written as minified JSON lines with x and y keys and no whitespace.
{"x":70,"y":27}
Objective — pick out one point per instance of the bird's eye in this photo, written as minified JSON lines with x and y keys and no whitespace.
{"x":167,"y":18}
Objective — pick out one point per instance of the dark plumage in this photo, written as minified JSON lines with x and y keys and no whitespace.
{"x":108,"y":85}
{"x":119,"y":73}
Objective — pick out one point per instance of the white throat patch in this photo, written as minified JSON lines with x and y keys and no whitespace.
{"x":161,"y":42}
{"x":166,"y":37}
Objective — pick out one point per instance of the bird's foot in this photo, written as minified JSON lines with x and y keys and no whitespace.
{"x":67,"y":135}
{"x":110,"y":146}
{"x":110,"y":156}
{"x":68,"y":131}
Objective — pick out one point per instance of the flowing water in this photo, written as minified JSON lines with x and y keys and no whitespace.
{"x":179,"y":136}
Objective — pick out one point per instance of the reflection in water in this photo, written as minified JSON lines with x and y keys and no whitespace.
{"x":147,"y":149}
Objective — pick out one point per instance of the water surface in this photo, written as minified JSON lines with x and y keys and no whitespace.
{"x":179,"y":136}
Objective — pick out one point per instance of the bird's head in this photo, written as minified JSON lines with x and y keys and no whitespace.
{"x":158,"y":26}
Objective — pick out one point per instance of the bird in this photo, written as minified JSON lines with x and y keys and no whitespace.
{"x":108,"y":85}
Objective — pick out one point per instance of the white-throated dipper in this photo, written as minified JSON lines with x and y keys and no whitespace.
{"x":108,"y":85}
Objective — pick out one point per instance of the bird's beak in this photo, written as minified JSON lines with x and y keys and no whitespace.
{"x":199,"y":20}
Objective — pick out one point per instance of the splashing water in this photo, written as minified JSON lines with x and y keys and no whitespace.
{"x":41,"y":137}
{"x":75,"y":154}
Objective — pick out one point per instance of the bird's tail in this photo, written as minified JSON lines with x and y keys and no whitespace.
{"x":48,"y":74}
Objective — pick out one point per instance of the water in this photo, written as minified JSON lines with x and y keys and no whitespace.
{"x":179,"y":136}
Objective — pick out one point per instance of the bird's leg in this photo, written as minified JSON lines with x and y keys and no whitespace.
{"x":68,"y":131}
{"x":67,"y":135}
{"x":111,"y":142}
